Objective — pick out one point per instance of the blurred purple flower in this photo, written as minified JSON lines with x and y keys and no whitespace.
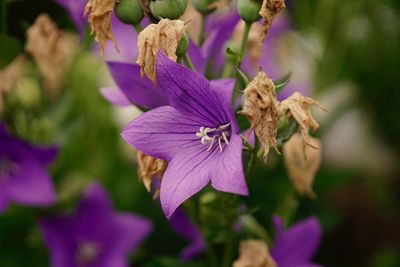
{"x":297,"y":245}
{"x":197,"y":133}
{"x":189,"y":231}
{"x":95,"y":235}
{"x":23,"y":175}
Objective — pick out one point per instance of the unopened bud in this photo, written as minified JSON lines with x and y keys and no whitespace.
{"x":129,"y":11}
{"x":168,"y":9}
{"x":249,"y":10}
{"x":204,"y":6}
{"x":183,"y":45}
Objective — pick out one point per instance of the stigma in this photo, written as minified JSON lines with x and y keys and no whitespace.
{"x":213,"y":135}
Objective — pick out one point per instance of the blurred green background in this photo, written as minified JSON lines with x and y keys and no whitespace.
{"x":354,"y":50}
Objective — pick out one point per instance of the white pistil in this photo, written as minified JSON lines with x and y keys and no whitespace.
{"x":221,"y":133}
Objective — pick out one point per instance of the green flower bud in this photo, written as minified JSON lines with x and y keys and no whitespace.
{"x":28,"y":92}
{"x":182,"y":46}
{"x":249,"y":10}
{"x":129,"y":11}
{"x":203,"y":6}
{"x":168,"y":9}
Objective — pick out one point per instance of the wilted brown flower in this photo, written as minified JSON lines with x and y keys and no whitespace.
{"x":9,"y":75}
{"x":298,"y":107}
{"x":262,"y":109}
{"x":301,"y":168}
{"x":269,"y":10}
{"x":100,"y":21}
{"x":254,"y":253}
{"x":51,"y":50}
{"x":150,"y":167}
{"x":254,"y":40}
{"x":164,"y":36}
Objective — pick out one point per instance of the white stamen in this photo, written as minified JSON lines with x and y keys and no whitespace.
{"x":221,"y":133}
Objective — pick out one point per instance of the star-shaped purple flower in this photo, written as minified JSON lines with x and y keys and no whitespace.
{"x":23,"y":175}
{"x":297,"y":245}
{"x":197,"y":134}
{"x":95,"y":236}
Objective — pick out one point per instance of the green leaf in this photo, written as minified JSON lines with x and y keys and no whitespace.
{"x":233,"y":56}
{"x":10,"y":48}
{"x":243,"y":76}
{"x":168,"y":262}
{"x":281,"y":83}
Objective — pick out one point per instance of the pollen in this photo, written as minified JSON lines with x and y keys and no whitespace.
{"x":214,"y":135}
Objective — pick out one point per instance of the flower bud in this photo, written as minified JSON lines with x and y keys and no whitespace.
{"x":249,"y":10}
{"x":129,"y":11}
{"x":168,"y":9}
{"x":183,"y":45}
{"x":204,"y":6}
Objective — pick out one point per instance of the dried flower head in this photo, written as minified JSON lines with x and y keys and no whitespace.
{"x":51,"y":50}
{"x":269,"y":10}
{"x":100,"y":21}
{"x":9,"y":75}
{"x":301,"y":168}
{"x":164,"y":36}
{"x":150,"y":167}
{"x":254,"y":253}
{"x":298,"y":107}
{"x":262,"y":109}
{"x":254,"y":40}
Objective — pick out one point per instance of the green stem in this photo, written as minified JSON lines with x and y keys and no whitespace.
{"x":188,"y":61}
{"x":202,"y":30}
{"x":4,"y":17}
{"x":226,"y":261}
{"x":211,"y":256}
{"x":138,"y":28}
{"x":245,"y":38}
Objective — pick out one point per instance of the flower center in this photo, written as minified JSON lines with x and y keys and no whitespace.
{"x":87,"y":253}
{"x":214,"y":135}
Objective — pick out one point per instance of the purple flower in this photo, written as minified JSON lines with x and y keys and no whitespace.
{"x":95,"y":235}
{"x":197,"y":133}
{"x":23,"y":175}
{"x":189,"y":231}
{"x":296,"y":246}
{"x":132,"y":88}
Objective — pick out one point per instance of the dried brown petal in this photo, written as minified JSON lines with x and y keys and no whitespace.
{"x":253,"y":43}
{"x":100,"y":21}
{"x":164,"y":36}
{"x":254,"y":253}
{"x":301,"y":168}
{"x":262,"y":109}
{"x":150,"y":167}
{"x":298,"y":107}
{"x":269,"y":10}
{"x":51,"y":50}
{"x":9,"y":75}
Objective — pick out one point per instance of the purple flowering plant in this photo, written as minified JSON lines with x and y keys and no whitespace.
{"x":199,"y":153}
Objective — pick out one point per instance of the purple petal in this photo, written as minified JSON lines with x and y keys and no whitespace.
{"x":223,"y":89}
{"x":182,"y":225}
{"x":59,"y":240}
{"x":31,"y":185}
{"x":45,"y":155}
{"x":227,"y":173}
{"x":115,"y":97}
{"x":187,"y":173}
{"x":162,"y":132}
{"x":189,"y":92}
{"x":128,"y":233}
{"x":197,"y":57}
{"x":139,"y":91}
{"x":298,"y":244}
